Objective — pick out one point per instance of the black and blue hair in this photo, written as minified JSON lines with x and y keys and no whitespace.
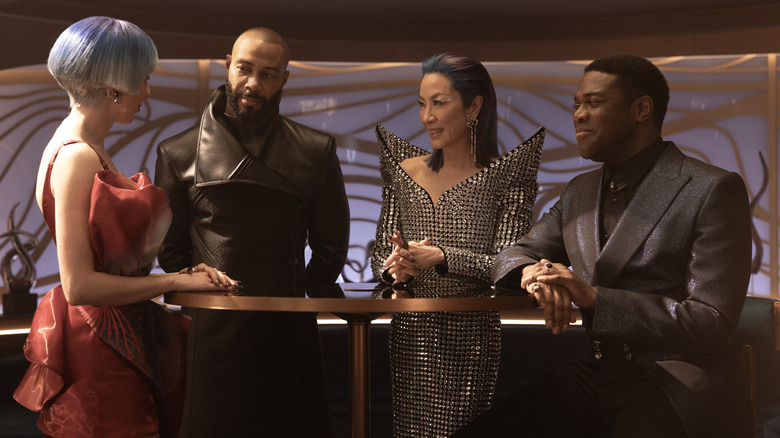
{"x":470,"y":79}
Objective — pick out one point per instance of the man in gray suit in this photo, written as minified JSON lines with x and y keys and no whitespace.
{"x":659,"y":246}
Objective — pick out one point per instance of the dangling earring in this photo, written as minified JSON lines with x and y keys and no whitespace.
{"x":116,"y":97}
{"x":471,"y":122}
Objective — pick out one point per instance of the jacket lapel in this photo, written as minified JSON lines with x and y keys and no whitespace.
{"x":654,"y":196}
{"x":221,"y":158}
{"x":219,"y":154}
{"x":583,"y":228}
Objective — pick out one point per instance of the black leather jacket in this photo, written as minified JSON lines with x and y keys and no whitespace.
{"x":252,"y":216}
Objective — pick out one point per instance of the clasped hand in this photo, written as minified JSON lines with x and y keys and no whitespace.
{"x":209,"y":278}
{"x":555,"y":288}
{"x":409,"y":259}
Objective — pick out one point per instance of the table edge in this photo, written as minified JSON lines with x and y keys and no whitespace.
{"x":222,"y":301}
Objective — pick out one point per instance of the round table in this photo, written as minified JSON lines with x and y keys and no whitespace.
{"x":358,"y":308}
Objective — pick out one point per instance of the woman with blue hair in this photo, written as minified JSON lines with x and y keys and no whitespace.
{"x":106,"y":361}
{"x":445,"y":215}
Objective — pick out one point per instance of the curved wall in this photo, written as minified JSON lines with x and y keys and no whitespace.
{"x":724,"y":110}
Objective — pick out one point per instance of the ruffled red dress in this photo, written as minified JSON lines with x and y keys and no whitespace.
{"x":109,"y":371}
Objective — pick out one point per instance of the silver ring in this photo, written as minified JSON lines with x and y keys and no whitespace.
{"x":535,"y":287}
{"x":548,"y":265}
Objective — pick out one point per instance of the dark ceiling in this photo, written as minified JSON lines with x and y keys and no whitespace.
{"x":409,"y":30}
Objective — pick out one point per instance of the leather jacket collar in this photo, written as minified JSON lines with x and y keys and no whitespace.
{"x":220,"y":155}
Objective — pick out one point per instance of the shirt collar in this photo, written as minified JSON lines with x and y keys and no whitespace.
{"x":635,"y":168}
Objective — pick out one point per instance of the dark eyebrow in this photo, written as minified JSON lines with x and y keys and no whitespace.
{"x":244,"y":61}
{"x":437,"y":95}
{"x":592,"y":94}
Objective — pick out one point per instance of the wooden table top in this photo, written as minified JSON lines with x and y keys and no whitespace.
{"x":357,"y":299}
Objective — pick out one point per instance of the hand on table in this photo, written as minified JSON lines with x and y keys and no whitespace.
{"x":582,"y":293}
{"x":411,"y":258}
{"x":542,"y":280}
{"x":206,"y":278}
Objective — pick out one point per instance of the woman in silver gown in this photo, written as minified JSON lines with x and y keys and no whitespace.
{"x":445,"y":215}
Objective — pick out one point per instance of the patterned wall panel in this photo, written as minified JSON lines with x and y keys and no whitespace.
{"x":723,"y":110}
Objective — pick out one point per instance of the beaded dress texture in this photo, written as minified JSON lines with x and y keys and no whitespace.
{"x":444,"y":365}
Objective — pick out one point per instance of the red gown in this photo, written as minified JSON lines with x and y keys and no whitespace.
{"x":109,"y":371}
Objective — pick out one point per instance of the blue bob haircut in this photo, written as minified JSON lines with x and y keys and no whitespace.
{"x":470,"y":79}
{"x":99,"y":53}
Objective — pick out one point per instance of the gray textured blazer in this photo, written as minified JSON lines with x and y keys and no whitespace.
{"x":671,"y":280}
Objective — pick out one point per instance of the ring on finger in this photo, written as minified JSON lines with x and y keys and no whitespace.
{"x":536,"y":287}
{"x":548,"y":265}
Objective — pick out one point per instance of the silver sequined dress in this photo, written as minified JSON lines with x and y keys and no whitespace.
{"x":444,"y":365}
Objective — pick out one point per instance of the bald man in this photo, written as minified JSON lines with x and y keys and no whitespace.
{"x":249,"y":189}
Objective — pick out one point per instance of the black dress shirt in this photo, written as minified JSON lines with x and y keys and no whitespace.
{"x":621,"y":183}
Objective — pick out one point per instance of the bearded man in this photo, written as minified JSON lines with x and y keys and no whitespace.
{"x":249,"y":189}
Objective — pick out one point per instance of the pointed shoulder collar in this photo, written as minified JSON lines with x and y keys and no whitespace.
{"x":219,"y":153}
{"x":393,"y":147}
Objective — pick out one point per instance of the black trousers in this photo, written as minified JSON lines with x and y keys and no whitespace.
{"x":583,"y":399}
{"x":255,"y":374}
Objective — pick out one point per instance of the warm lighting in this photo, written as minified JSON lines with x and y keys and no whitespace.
{"x":334,"y":321}
{"x":337,"y":321}
{"x":529,"y":322}
{"x":21,"y":331}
